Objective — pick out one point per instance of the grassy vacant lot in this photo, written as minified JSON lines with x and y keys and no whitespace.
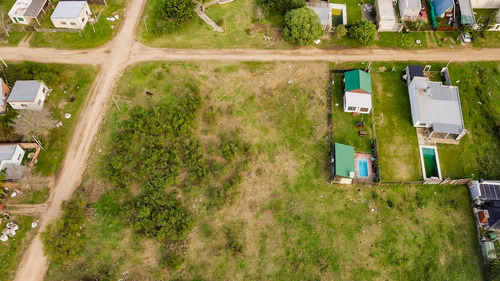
{"x":12,"y":251}
{"x":286,"y":222}
{"x":87,"y":39}
{"x":243,"y":29}
{"x":70,"y":85}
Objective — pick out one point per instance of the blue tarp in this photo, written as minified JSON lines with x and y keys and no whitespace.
{"x":441,"y":6}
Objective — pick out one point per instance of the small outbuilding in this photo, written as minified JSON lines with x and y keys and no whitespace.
{"x":386,"y":16}
{"x":409,"y":9}
{"x":489,"y":252}
{"x":358,"y":92}
{"x":10,"y":154}
{"x":28,"y":94}
{"x":4,"y":91}
{"x":71,"y":14}
{"x":24,"y":11}
{"x":343,"y":170}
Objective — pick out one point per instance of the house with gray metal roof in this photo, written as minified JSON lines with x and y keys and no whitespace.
{"x":10,"y":154}
{"x":71,"y":14}
{"x":28,"y":94}
{"x":436,"y":107}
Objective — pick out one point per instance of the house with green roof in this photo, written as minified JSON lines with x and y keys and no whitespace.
{"x":357,"y":92}
{"x":343,"y":164}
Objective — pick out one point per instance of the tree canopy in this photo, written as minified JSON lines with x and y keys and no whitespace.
{"x":282,"y":6}
{"x":363,"y":30}
{"x":170,"y":15}
{"x":302,"y":26}
{"x":34,"y":123}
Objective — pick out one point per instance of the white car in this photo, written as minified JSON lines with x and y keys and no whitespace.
{"x":466,"y":37}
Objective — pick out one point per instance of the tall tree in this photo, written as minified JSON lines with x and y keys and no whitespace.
{"x":363,"y":30}
{"x":302,"y":26}
{"x":34,"y":123}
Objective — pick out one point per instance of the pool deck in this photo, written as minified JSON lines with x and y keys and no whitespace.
{"x":424,"y":139}
{"x":371,"y":175}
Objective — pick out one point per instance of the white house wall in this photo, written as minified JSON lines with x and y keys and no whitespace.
{"x":16,"y":159}
{"x":74,"y":23}
{"x":36,"y":104}
{"x":412,"y":91}
{"x":485,"y":4}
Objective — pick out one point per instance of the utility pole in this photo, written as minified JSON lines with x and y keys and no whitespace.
{"x":449,"y":62}
{"x":145,"y":24}
{"x":4,"y":63}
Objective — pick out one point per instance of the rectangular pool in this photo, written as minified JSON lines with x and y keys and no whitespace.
{"x":363,"y":168}
{"x":430,"y":162}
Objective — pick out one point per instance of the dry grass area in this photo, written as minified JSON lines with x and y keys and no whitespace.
{"x":286,"y":221}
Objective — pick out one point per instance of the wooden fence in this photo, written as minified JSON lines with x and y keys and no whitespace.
{"x":446,"y":181}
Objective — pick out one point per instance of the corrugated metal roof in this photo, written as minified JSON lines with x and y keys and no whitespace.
{"x":467,"y":15}
{"x":413,"y":4}
{"x":358,"y":80}
{"x":358,"y":99}
{"x":344,"y":160}
{"x":68,"y":9}
{"x":440,"y":106}
{"x":34,"y":8}
{"x":441,"y":6}
{"x":385,"y":10}
{"x":7,"y":151}
{"x":24,"y":91}
{"x":323,"y":14}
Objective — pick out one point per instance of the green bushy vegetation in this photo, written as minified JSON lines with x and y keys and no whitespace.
{"x":302,"y":26}
{"x":170,"y":15}
{"x":282,"y":6}
{"x":65,"y":238}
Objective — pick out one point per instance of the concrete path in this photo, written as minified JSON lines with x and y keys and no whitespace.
{"x":209,"y":21}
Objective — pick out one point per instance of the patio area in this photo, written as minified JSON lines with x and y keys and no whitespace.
{"x":363,"y":165}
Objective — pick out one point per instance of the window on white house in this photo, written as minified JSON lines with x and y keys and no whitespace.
{"x":39,"y":102}
{"x":364,"y":109}
{"x":19,"y":157}
{"x":83,"y":19}
{"x":63,"y":23}
{"x":24,"y":105}
{"x":72,"y":23}
{"x":351,"y":108}
{"x":423,"y":124}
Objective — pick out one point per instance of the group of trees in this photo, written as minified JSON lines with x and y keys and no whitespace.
{"x":302,"y":25}
{"x":170,"y":15}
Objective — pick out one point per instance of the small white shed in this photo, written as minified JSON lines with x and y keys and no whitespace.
{"x":28,"y":94}
{"x":386,"y":16}
{"x":10,"y":154}
{"x":71,"y":14}
{"x":409,"y":9}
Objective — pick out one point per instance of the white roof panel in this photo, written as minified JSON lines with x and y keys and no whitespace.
{"x":68,"y":9}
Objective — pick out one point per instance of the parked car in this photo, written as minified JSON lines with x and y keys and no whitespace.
{"x":466,"y":37}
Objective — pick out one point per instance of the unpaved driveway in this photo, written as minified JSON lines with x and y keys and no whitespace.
{"x":124,"y":50}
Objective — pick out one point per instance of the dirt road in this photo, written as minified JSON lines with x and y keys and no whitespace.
{"x":124,"y":50}
{"x":33,"y":266}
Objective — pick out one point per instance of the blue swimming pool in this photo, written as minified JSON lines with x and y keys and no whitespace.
{"x":363,"y":168}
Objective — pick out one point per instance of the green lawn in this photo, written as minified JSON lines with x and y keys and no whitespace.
{"x":343,"y":124}
{"x":243,"y":29}
{"x":68,"y":82}
{"x":12,"y":251}
{"x":87,"y":39}
{"x":285,"y":215}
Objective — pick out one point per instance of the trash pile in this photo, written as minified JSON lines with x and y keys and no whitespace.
{"x":10,"y":230}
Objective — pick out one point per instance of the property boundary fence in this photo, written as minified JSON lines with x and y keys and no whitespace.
{"x":52,"y":30}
